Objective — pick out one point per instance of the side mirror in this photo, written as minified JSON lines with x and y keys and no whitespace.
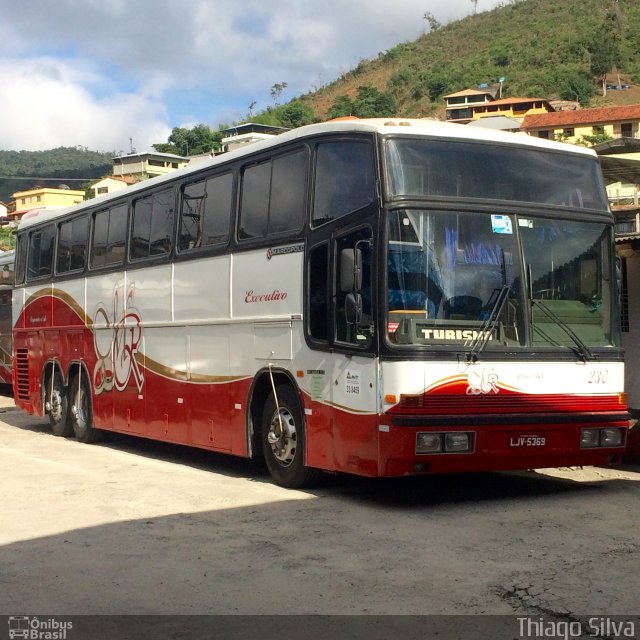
{"x":353,"y":308}
{"x":350,"y":270}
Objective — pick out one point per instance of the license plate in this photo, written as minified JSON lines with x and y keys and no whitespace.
{"x":527,"y":441}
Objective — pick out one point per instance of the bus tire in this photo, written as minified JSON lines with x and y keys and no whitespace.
{"x":59,"y":407}
{"x":283,"y":440}
{"x":80,"y":411}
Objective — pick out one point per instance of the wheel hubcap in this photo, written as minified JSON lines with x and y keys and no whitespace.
{"x":56,"y":405}
{"x":282,"y":437}
{"x":79,"y":412}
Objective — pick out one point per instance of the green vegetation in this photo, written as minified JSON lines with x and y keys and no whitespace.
{"x":7,"y":238}
{"x":542,"y":48}
{"x":191,"y":142}
{"x":22,"y":170}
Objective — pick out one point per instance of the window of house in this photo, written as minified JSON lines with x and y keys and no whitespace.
{"x":205,"y":212}
{"x":598,"y":129}
{"x":543,"y":134}
{"x":101,"y":190}
{"x":569,"y":132}
{"x":152,"y":226}
{"x":72,"y":245}
{"x":626,"y":130}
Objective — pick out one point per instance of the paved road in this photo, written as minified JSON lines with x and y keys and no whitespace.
{"x":136,"y":527}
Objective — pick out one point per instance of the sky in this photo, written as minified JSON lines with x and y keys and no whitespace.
{"x":119,"y":75}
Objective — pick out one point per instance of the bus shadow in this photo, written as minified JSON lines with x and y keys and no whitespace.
{"x":401,"y":493}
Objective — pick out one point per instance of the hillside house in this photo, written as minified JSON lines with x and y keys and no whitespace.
{"x":572,"y":126}
{"x":43,"y":198}
{"x":459,"y":106}
{"x":469,"y":105}
{"x":111,"y":184}
{"x":620,"y":161}
{"x":248,"y":133}
{"x":147,"y":164}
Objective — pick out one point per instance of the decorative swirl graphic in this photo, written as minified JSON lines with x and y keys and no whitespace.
{"x":482,"y":383}
{"x":116,"y":343}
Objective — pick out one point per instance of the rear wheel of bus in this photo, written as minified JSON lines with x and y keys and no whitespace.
{"x":80,"y":411}
{"x":57,"y":406}
{"x":283,"y":440}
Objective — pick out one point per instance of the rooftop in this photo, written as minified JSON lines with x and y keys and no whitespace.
{"x":583,"y":116}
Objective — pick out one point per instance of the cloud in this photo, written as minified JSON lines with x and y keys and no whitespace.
{"x":96,"y":72}
{"x":45,"y":103}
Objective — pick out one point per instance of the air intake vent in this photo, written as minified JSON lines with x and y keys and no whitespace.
{"x":22,"y":374}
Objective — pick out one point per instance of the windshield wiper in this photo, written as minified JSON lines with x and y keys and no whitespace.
{"x":486,"y":330}
{"x":582,"y":350}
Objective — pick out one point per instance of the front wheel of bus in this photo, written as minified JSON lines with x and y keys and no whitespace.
{"x":81,"y":413}
{"x":283,"y":440}
{"x":58,"y":407}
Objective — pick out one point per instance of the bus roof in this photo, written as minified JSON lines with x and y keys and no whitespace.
{"x":403,"y":126}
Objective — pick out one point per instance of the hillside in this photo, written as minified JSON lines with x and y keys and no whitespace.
{"x":543,"y":48}
{"x":22,"y":170}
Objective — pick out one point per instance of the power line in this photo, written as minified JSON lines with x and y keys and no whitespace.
{"x":46,"y":179}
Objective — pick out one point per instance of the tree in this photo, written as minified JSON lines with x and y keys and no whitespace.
{"x":295,"y":114}
{"x":342,"y":106}
{"x":434,"y":25}
{"x":606,"y":46}
{"x":372,"y":103}
{"x":276,"y":90}
{"x":184,"y":142}
{"x":575,"y":85}
{"x":603,"y":57}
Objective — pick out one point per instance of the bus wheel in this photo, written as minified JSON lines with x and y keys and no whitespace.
{"x":58,"y":407}
{"x":283,"y":440}
{"x":80,"y":410}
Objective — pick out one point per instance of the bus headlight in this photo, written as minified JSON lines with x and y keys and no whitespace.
{"x":603,"y":437}
{"x":447,"y":442}
{"x":428,"y":442}
{"x":457,"y":442}
{"x":611,"y":438}
{"x":589,"y":438}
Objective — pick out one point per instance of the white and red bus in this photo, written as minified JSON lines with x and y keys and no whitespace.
{"x":376,"y":297}
{"x":6,"y":325}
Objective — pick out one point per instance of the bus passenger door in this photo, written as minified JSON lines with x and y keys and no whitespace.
{"x":354,"y":372}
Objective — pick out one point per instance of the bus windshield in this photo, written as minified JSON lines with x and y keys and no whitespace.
{"x":461,"y":278}
{"x":448,"y":168}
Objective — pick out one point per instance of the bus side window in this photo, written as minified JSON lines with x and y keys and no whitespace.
{"x":346,"y":330}
{"x":41,"y":250}
{"x":318,"y":292}
{"x":344,"y":179}
{"x":205,"y":212}
{"x":273,"y":196}
{"x":72,"y":245}
{"x":152,"y":227}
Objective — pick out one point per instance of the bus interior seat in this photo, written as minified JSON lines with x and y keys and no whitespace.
{"x":463,"y":308}
{"x":409,"y":287}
